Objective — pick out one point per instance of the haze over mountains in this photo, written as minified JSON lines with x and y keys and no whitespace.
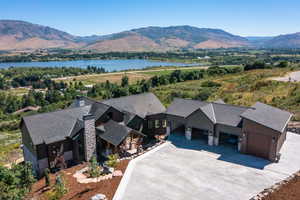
{"x":20,"y":35}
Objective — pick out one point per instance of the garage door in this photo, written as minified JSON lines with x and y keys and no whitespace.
{"x":258,"y":144}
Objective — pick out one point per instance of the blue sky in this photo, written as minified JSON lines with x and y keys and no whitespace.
{"x":86,"y":17}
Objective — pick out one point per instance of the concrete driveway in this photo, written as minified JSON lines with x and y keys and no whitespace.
{"x":191,"y":170}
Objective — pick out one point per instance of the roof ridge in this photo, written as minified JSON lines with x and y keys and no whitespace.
{"x":55,"y":111}
{"x":232,"y":105}
{"x":214,"y":114}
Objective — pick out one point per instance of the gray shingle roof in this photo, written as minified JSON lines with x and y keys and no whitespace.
{"x":219,"y":101}
{"x":54,"y":126}
{"x":184,"y":107}
{"x":114,"y":132}
{"x":268,"y":116}
{"x":227,"y":114}
{"x":217,"y":112}
{"x":140,"y":104}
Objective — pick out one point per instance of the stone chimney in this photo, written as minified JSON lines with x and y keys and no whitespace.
{"x":89,"y":136}
{"x":79,"y":101}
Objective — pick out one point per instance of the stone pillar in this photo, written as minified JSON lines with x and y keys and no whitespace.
{"x":89,"y":137}
{"x":210,"y":138}
{"x":188,"y":133}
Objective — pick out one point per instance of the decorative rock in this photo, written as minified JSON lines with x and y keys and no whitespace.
{"x":117,"y":173}
{"x":98,"y":197}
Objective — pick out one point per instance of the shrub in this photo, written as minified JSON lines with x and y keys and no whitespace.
{"x":203,"y":95}
{"x":47,"y":177}
{"x":210,"y":84}
{"x":59,"y":189}
{"x":112,"y":160}
{"x":94,"y":168}
{"x":216,"y":70}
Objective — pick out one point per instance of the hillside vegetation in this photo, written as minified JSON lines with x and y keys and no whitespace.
{"x":244,"y":88}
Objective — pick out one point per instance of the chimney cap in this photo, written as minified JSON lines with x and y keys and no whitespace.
{"x":88,"y":116}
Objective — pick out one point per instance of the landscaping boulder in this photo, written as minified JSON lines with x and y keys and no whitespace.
{"x":99,"y":197}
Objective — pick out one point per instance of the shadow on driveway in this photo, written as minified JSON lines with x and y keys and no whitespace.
{"x":226,"y":153}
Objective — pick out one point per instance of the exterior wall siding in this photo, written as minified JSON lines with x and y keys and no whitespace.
{"x":200,"y":121}
{"x":175,"y":122}
{"x":155,"y":131}
{"x":26,"y":140}
{"x":30,"y":157}
{"x":250,"y":126}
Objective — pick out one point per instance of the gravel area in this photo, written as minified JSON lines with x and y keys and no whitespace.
{"x":293,"y":77}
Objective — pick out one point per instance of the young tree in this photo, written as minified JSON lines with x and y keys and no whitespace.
{"x":125,"y":81}
{"x":47,"y":177}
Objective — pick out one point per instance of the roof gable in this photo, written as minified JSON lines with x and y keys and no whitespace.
{"x":54,"y":126}
{"x":141,"y":104}
{"x":268,"y":116}
{"x":184,"y":107}
{"x":114,"y":132}
{"x":227,"y":114}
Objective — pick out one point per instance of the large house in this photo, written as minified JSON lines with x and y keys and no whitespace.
{"x":90,"y":128}
{"x":259,"y":130}
{"x":119,"y":125}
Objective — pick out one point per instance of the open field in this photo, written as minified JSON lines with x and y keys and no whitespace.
{"x":292,"y":76}
{"x":115,"y":77}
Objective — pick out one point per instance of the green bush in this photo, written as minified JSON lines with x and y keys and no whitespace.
{"x":203,"y":95}
{"x":47,"y":177}
{"x":112,"y":160}
{"x":16,"y":182}
{"x":210,"y":84}
{"x":94,"y":168}
{"x":59,"y":189}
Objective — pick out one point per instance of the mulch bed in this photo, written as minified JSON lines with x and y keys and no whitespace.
{"x":288,"y":191}
{"x":78,"y":191}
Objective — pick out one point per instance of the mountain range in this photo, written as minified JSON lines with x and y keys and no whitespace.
{"x":21,"y":35}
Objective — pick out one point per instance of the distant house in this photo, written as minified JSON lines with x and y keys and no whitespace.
{"x":90,"y":128}
{"x":259,"y":130}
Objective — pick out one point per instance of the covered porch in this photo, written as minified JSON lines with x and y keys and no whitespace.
{"x":116,"y":138}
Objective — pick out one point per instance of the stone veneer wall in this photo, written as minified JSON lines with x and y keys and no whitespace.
{"x":89,"y":137}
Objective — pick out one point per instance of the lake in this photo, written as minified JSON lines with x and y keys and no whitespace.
{"x":109,"y":65}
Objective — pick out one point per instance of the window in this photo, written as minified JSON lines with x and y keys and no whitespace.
{"x":157,"y":125}
{"x":150,"y":124}
{"x":164,"y":123}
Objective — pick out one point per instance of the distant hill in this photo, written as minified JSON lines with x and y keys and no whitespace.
{"x":23,"y":35}
{"x":20,"y":35}
{"x":258,"y":41}
{"x":168,"y":38}
{"x":284,"y":41}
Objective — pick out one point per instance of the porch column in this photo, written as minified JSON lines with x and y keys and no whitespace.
{"x":188,"y":133}
{"x":240,"y":140}
{"x":168,"y":130}
{"x":210,"y":138}
{"x":216,"y":138}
